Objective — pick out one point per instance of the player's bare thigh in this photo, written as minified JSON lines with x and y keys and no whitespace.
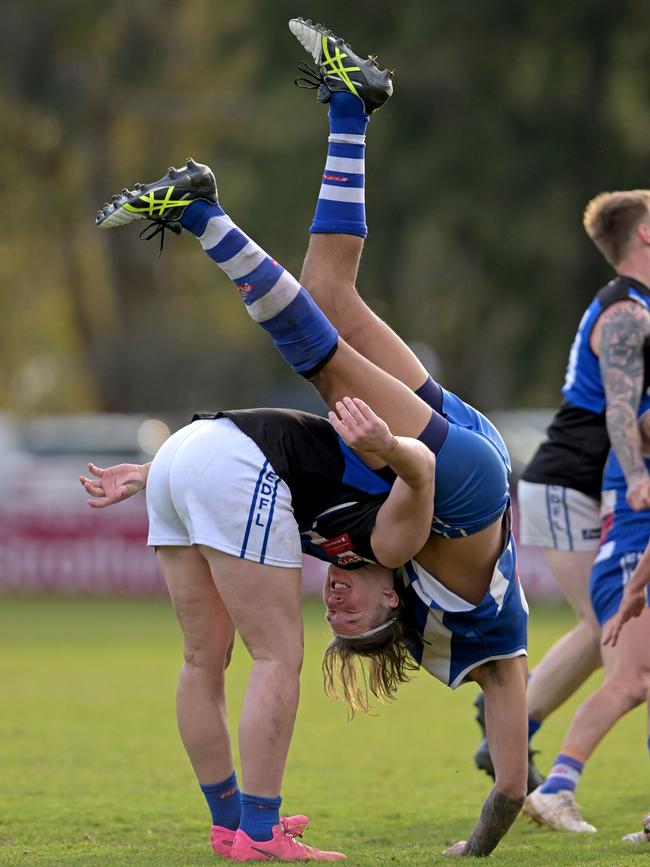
{"x":208,"y":629}
{"x":349,"y":373}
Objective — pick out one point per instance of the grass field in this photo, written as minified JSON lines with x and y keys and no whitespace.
{"x":92,"y":771}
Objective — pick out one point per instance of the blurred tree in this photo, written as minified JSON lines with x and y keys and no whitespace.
{"x":507,"y":118}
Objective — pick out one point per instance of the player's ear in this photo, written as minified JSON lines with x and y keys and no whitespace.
{"x":391,"y":599}
{"x":643,"y":232}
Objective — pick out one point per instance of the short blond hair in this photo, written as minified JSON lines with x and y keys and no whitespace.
{"x":610,"y":220}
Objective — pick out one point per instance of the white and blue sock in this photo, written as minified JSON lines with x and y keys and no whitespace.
{"x":564,"y":775}
{"x":341,"y":208}
{"x":259,"y":815}
{"x":303,"y":335}
{"x":224,"y":802}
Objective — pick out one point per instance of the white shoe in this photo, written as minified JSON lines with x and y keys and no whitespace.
{"x":640,"y":836}
{"x":557,"y":810}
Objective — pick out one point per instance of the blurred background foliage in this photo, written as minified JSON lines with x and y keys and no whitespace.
{"x":507,"y":117}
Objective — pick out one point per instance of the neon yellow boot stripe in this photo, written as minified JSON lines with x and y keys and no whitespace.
{"x":334,"y":66}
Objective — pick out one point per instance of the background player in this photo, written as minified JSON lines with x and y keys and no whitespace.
{"x":606,"y":383}
{"x":559,"y":492}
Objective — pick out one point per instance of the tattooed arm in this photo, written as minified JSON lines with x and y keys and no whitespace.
{"x":498,"y":813}
{"x":504,"y":683}
{"x":625,"y":326}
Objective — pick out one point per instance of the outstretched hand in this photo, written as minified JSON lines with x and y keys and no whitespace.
{"x":632,"y":605}
{"x":360,"y":428}
{"x":113,"y":484}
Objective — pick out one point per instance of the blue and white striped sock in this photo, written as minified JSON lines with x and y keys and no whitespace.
{"x":341,"y":205}
{"x":303,"y":335}
{"x":564,"y":775}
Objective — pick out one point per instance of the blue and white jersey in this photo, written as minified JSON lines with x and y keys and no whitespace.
{"x":457,"y":636}
{"x":574,"y":452}
{"x":583,"y":385}
{"x":336,"y":496}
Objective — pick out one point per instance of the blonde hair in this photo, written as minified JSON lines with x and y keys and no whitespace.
{"x":355,"y":668}
{"x":610,"y":220}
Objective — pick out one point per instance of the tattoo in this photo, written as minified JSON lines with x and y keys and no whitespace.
{"x":624,"y":332}
{"x":497,"y":815}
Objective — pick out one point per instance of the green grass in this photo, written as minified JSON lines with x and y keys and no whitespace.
{"x":92,"y":771}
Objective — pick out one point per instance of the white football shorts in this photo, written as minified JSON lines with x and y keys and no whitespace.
{"x":556,"y":517}
{"x":210,"y":484}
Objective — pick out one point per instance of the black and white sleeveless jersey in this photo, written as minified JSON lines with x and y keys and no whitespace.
{"x":574,"y":452}
{"x":335,"y":496}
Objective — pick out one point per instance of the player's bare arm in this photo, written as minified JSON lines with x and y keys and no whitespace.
{"x":497,"y":815}
{"x":404,"y":521}
{"x":625,"y":328}
{"x":644,"y":430}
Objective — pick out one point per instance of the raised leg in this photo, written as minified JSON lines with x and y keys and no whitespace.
{"x":330,"y":273}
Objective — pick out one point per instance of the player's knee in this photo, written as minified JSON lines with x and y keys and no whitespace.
{"x":283,"y":656}
{"x":630,"y":691}
{"x":207,"y":661}
{"x":593,"y":629}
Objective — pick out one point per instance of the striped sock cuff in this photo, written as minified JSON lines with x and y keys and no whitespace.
{"x":264,"y":285}
{"x":564,"y":775}
{"x":273,"y":298}
{"x":341,"y":201}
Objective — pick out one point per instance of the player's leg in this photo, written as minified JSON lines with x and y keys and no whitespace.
{"x":264,"y":603}
{"x":339,"y":226}
{"x":300,"y":331}
{"x":570,"y":661}
{"x":625,"y":686}
{"x":208,"y":634}
{"x":276,"y":301}
{"x":566,"y":523}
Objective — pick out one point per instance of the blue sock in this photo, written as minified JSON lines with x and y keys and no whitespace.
{"x":259,"y":815}
{"x":564,"y":775}
{"x":303,"y":335}
{"x":533,"y":726}
{"x":346,"y":114}
{"x":224,"y":802}
{"x":341,"y":208}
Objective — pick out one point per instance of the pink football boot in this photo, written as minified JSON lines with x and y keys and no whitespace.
{"x":222,"y":838}
{"x":282,"y":847}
